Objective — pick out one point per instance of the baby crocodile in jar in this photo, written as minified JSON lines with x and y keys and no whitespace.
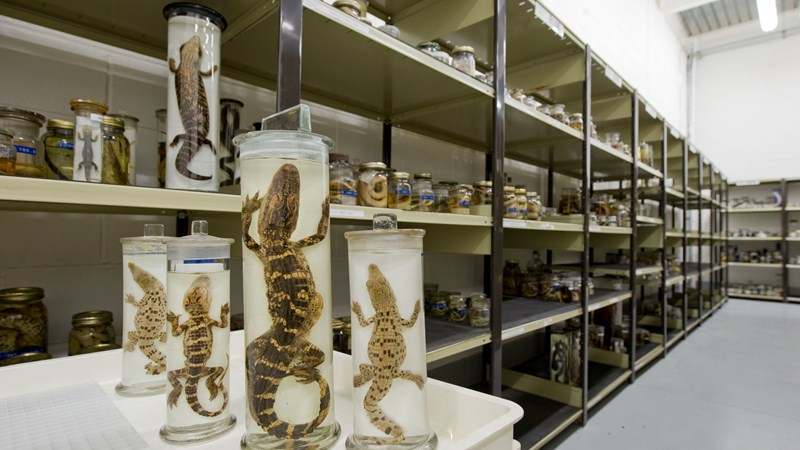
{"x":149,"y":320}
{"x":87,"y":153}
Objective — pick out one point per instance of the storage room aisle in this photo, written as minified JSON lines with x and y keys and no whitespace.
{"x":734,"y":385}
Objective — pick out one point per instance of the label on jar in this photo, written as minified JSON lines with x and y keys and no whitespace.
{"x":402,"y":191}
{"x":22,"y":351}
{"x":464,"y":204}
{"x":511,"y":210}
{"x":66,"y":145}
{"x":523,"y":211}
{"x":427,"y":197}
{"x":25,"y":150}
{"x":348,"y":193}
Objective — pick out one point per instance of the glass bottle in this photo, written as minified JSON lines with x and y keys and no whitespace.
{"x":373,"y":185}
{"x":59,"y":145}
{"x":230,"y":111}
{"x":510,"y":204}
{"x":558,"y":112}
{"x":481,"y":199}
{"x":385,"y":266}
{"x":442,"y":193}
{"x":422,"y":198}
{"x":88,"y":162}
{"x":116,"y":152}
{"x":433,"y":49}
{"x":131,"y":127}
{"x":29,"y":150}
{"x":194,"y":36}
{"x":460,"y":199}
{"x":464,"y":59}
{"x":90,"y":330}
{"x":479,"y":310}
{"x":342,"y":180}
{"x":285,"y":177}
{"x":351,"y":7}
{"x":569,"y":202}
{"x":8,"y":154}
{"x":23,"y":322}
{"x":198,"y":336}
{"x":144,"y":313}
{"x":399,"y":191}
{"x":161,"y":130}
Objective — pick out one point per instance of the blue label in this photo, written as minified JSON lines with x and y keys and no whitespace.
{"x":402,"y":192}
{"x":464,"y":204}
{"x":66,"y":145}
{"x":25,"y":150}
{"x":200,"y":261}
{"x":427,"y":197}
{"x":348,"y":193}
{"x":512,"y":210}
{"x":523,"y":211}
{"x":22,"y":351}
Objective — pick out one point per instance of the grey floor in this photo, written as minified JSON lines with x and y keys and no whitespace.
{"x":734,"y":384}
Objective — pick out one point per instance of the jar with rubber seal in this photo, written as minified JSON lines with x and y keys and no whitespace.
{"x":88,"y":162}
{"x":373,"y":185}
{"x":399,"y":191}
{"x":90,"y":329}
{"x":464,"y":59}
{"x":460,"y":198}
{"x":510,"y":205}
{"x":116,"y":152}
{"x":422,"y":198}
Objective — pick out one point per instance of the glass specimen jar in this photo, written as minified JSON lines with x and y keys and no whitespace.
{"x":512,"y":276}
{"x":569,"y":202}
{"x":613,"y":139}
{"x":227,"y":159}
{"x":441,"y":193}
{"x":88,"y":161}
{"x":198,"y":336}
{"x":433,"y":49}
{"x":576,"y":121}
{"x":464,"y":59}
{"x":534,"y":206}
{"x":350,"y":7}
{"x":144,"y":313}
{"x":131,"y":127}
{"x":59,"y":146}
{"x":342,"y":180}
{"x":522,"y":202}
{"x":481,"y":198}
{"x":646,"y":153}
{"x":422,"y":198}
{"x":510,"y":205}
{"x":285,"y":219}
{"x":161,"y":130}
{"x":8,"y":154}
{"x":460,"y":198}
{"x":91,"y":329}
{"x":457,"y":308}
{"x":558,"y":112}
{"x":372,"y":185}
{"x":479,"y":310}
{"x":23,"y":322}
{"x":193,"y":116}
{"x":400,"y":191}
{"x":388,"y":342}
{"x":116,"y":152}
{"x":27,"y":146}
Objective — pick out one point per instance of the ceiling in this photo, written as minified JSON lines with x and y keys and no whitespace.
{"x":725,"y":13}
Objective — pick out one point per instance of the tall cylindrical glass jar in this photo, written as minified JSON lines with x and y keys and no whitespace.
{"x":193,"y":55}
{"x":29,"y":149}
{"x":287,"y":287}
{"x":88,"y":162}
{"x":144,"y":313}
{"x":388,"y":342}
{"x":59,"y":146}
{"x":161,"y":130}
{"x":116,"y":152}
{"x":131,"y":126}
{"x":230,"y":111}
{"x":198,"y":337}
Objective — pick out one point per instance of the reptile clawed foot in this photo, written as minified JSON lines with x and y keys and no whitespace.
{"x":172,"y":399}
{"x":153,"y":369}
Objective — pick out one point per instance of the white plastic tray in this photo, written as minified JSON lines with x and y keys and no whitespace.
{"x":461,"y":418}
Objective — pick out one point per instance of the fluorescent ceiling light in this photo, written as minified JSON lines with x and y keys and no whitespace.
{"x":767,"y":14}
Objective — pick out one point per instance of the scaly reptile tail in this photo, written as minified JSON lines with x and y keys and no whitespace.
{"x":378,"y":418}
{"x":191,"y":396}
{"x":185,"y":155}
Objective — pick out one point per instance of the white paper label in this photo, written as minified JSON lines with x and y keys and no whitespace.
{"x":549,"y":20}
{"x":611,"y":75}
{"x":545,"y":226}
{"x":336,"y":212}
{"x":511,"y":223}
{"x":748,"y":183}
{"x":96,"y":117}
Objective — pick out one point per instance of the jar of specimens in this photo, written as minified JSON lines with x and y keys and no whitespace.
{"x":373,"y":185}
{"x":342,"y":180}
{"x":400,"y":191}
{"x":457,"y":308}
{"x":569,"y":202}
{"x":441,"y":193}
{"x":422,"y":198}
{"x":90,"y":330}
{"x":460,"y":198}
{"x":116,"y":152}
{"x":287,"y":284}
{"x":23,"y":322}
{"x":131,"y":130}
{"x":522,"y":202}
{"x":534,"y":206}
{"x":8,"y":154}
{"x":481,"y":198}
{"x":227,"y":159}
{"x":390,"y":370}
{"x":464,"y":59}
{"x":161,"y":131}
{"x":198,"y":336}
{"x":510,"y":204}
{"x":59,"y":146}
{"x":29,"y":159}
{"x":88,"y":162}
{"x":479,"y":310}
{"x":193,"y":117}
{"x":144,"y":313}
{"x":435,"y":50}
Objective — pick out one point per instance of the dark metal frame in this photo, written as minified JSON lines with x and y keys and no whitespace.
{"x":685,"y":239}
{"x":662,"y":210}
{"x":700,"y":236}
{"x":712,"y":249}
{"x":634,"y":239}
{"x":290,"y":44}
{"x":784,"y":242}
{"x":586,"y":175}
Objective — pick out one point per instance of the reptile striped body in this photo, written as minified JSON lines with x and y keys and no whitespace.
{"x":192,"y":105}
{"x":387,"y":352}
{"x":198,"y":342}
{"x":293,"y":303}
{"x":149,"y":322}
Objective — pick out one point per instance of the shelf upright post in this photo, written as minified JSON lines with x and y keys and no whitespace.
{"x":634,"y":240}
{"x":712,"y":249}
{"x":550,"y":184}
{"x":586,"y":181}
{"x":499,"y":134}
{"x":685,"y":261}
{"x":290,"y":37}
{"x":662,"y":210}
{"x":784,"y":243}
{"x":387,"y":143}
{"x":700,"y":305}
{"x":727,"y":234}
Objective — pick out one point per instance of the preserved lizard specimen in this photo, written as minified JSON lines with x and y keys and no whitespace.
{"x":293,"y":304}
{"x":192,"y":105}
{"x":87,"y":153}
{"x":149,"y":322}
{"x":198,"y":341}
{"x":387,"y":351}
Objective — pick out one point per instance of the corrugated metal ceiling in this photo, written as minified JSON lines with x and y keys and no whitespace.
{"x":724,"y":13}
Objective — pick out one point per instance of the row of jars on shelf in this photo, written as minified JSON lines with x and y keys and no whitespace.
{"x":762,"y":256}
{"x":755,"y":289}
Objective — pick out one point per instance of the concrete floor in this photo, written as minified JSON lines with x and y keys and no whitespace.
{"x":734,"y":384}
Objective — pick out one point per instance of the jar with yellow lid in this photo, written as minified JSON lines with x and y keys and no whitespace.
{"x":29,"y":150}
{"x":400,"y":191}
{"x":116,"y":152}
{"x":342,"y":180}
{"x":373,"y":185}
{"x":481,"y":199}
{"x":510,"y":205}
{"x":576,"y":121}
{"x":90,"y":329}
{"x":534,"y":206}
{"x":23,"y":322}
{"x":88,"y":161}
{"x":59,"y":146}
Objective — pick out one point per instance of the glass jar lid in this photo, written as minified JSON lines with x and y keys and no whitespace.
{"x":384,"y":235}
{"x":463,"y":49}
{"x":399,"y":175}
{"x":521,"y":190}
{"x":6,"y":132}
{"x":576,"y":116}
{"x":161,"y":113}
{"x":195,"y":10}
{"x":153,"y":232}
{"x":24,"y":358}
{"x":21,"y":294}
{"x":199,"y":239}
{"x":125,"y":118}
{"x":94,"y":317}
{"x":422,"y":176}
{"x":509,"y":189}
{"x":448,"y":183}
{"x":462,"y":187}
{"x":113,"y":122}
{"x":63,"y":124}
{"x":483,"y":183}
{"x":348,"y":3}
{"x":429,"y":46}
{"x":98,"y":348}
{"x":372,"y":165}
{"x":91,"y":105}
{"x":337,"y":324}
{"x":16,"y":113}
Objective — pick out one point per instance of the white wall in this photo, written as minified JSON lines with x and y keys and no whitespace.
{"x":636,"y":40}
{"x":746,"y":111}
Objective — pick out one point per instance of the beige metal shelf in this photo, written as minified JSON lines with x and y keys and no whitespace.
{"x":754,"y":239}
{"x":541,"y":225}
{"x":756,"y":297}
{"x":758,"y":265}
{"x":610,"y":301}
{"x":611,"y":387}
{"x":597,"y":229}
{"x":645,"y":169}
{"x":622,"y":270}
{"x":458,"y":347}
{"x":793,"y":266}
{"x":675,"y":339}
{"x":792,"y":209}
{"x":752,"y":210}
{"x":649,"y":220}
{"x":648,"y":358}
{"x":675,"y":279}
{"x":674,"y":234}
{"x":793,"y":239}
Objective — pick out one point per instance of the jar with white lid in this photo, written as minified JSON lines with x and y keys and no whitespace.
{"x":464,"y":59}
{"x":435,"y":50}
{"x":373,"y":185}
{"x":116,"y":152}
{"x":422,"y":198}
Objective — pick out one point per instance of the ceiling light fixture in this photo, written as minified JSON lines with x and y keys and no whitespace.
{"x":767,"y":14}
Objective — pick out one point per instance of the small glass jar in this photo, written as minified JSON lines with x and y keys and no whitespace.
{"x":422,"y":198}
{"x":522,"y":202}
{"x":433,"y":49}
{"x":480,"y":311}
{"x":23,"y":322}
{"x":8,"y":154}
{"x":510,"y":205}
{"x":441,"y":192}
{"x":457,"y":309}
{"x":400,"y":191}
{"x":161,"y":130}
{"x":130,"y":125}
{"x":460,"y":198}
{"x":88,"y":161}
{"x":438,"y":305}
{"x":342,"y":181}
{"x":91,"y":328}
{"x":464,"y":59}
{"x":544,"y":109}
{"x":337,"y":325}
{"x":559,"y":113}
{"x":534,"y":206}
{"x":512,"y":276}
{"x":59,"y":145}
{"x":646,"y":153}
{"x":482,"y":193}
{"x":569,"y":202}
{"x":531,"y":102}
{"x":116,"y":152}
{"x":517,"y":94}
{"x":29,"y":160}
{"x":350,"y":7}
{"x":613,"y":140}
{"x":372,"y":185}
{"x":576,"y":121}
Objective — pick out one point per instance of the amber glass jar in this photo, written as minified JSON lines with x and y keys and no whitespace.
{"x":90,"y":329}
